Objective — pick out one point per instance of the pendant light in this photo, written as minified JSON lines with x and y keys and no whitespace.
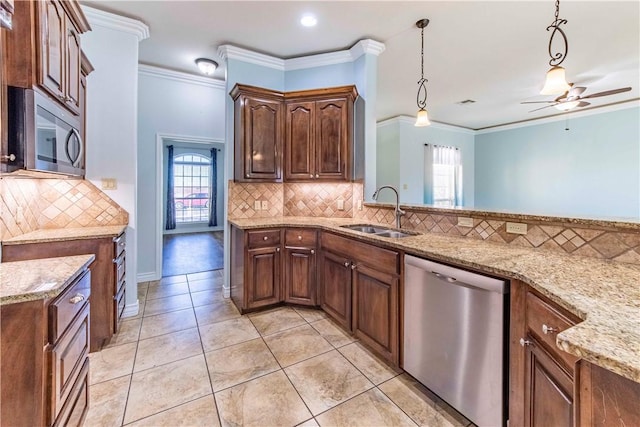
{"x":556,"y":82}
{"x":422,"y":118}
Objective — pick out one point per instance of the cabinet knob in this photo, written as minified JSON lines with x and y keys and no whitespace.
{"x":265,"y":238}
{"x":347,"y":264}
{"x":313,"y":251}
{"x":299,"y":237}
{"x":317,"y":176}
{"x":524,"y":342}
{"x":548,"y":330}
{"x":76,"y":298}
{"x":353,"y":266}
{"x":311,"y":176}
{"x":8,"y":157}
{"x":248,"y":175}
{"x":277,"y":249}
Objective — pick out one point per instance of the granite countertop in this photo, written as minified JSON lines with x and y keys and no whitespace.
{"x":61,"y":234}
{"x":36,"y":279}
{"x":605,"y":294}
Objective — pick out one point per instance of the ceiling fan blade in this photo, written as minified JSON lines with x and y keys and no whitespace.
{"x":583,"y":104}
{"x":607,"y":93}
{"x":538,"y":102}
{"x":542,"y":108}
{"x":575,"y":91}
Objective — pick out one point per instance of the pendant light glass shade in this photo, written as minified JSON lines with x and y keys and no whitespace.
{"x":422,"y":118}
{"x":556,"y":83}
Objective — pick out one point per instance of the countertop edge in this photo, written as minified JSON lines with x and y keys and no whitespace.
{"x":44,"y":236}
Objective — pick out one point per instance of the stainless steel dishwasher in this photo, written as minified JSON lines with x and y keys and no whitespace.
{"x":455,"y":335}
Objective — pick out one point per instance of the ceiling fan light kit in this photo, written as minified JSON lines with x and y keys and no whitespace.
{"x":556,"y":82}
{"x":422,"y":118}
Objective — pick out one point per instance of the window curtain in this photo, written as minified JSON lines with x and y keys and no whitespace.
{"x":171,"y":205}
{"x":443,"y":169}
{"x":213,"y":194}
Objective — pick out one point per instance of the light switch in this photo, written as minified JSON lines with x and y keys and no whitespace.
{"x":465,"y":221}
{"x":340,"y":204}
{"x":405,"y":186}
{"x":516,"y":228}
{"x":109,"y":184}
{"x":256,"y":205}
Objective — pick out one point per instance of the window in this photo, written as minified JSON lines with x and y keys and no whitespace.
{"x":445,"y":169}
{"x":192,"y":187}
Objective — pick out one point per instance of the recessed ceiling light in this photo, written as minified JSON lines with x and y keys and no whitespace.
{"x":206,"y":66}
{"x":308,"y":20}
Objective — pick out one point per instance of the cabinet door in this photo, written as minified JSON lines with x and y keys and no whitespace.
{"x":262,"y":139}
{"x":548,"y":390}
{"x":332,"y":135}
{"x":335,"y":287}
{"x":299,"y":146}
{"x":375,"y":311}
{"x":53,"y":39}
{"x":300,"y":276}
{"x":72,"y":69}
{"x":263,"y":277}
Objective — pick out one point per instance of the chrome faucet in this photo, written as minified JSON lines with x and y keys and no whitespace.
{"x":399,"y":212}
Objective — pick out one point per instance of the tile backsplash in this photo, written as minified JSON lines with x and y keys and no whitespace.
{"x":28,"y":204}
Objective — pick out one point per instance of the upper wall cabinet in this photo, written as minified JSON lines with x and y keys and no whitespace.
{"x":45,"y":51}
{"x":309,"y":134}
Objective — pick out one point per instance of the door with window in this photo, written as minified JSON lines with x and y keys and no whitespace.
{"x":192,"y":187}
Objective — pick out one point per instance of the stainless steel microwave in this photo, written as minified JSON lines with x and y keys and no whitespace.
{"x":42,"y":134}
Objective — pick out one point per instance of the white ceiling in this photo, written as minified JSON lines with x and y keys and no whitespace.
{"x":494,"y":52}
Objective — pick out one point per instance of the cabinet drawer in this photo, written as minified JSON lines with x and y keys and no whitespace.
{"x":119,"y":265}
{"x":64,"y":309}
{"x":545,"y":322}
{"x":383,"y":260}
{"x":119,"y":244}
{"x":300,"y":237}
{"x":77,"y":404}
{"x":118,"y":305}
{"x":263,"y":238}
{"x":66,"y":361}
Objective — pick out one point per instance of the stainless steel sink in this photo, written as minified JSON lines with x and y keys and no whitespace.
{"x":380,"y":231}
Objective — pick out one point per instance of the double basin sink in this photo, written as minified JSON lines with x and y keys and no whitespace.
{"x":379,"y":231}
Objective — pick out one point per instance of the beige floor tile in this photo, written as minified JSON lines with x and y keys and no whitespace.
{"x":112,"y":362}
{"x":297,"y":344}
{"x":206,"y":284}
{"x":207,"y":297}
{"x":172,"y":279}
{"x":415,"y":401}
{"x":167,"y":386}
{"x":107,"y":402}
{"x":230,"y":332}
{"x":309,"y":423}
{"x":372,"y":408}
{"x":310,"y":314}
{"x":164,"y":305}
{"x":333,"y":333}
{"x":326,"y":381}
{"x":239,"y":363}
{"x":216,"y":312}
{"x":197,"y":413}
{"x":173,"y":321}
{"x":265,"y":401}
{"x":373,"y":368}
{"x":140,"y":313}
{"x":163,"y":291}
{"x":204,"y":275}
{"x":270,"y":322}
{"x":128,"y":331}
{"x":142,"y":290}
{"x":167,"y":348}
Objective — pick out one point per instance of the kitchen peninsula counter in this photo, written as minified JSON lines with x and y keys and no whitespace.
{"x":62,"y":234}
{"x":23,"y":281}
{"x":605,"y":294}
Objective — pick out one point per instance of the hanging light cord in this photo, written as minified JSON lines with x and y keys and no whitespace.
{"x":558,"y":57}
{"x":422,"y":88}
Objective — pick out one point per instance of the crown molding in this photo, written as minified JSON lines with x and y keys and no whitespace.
{"x":178,"y":76}
{"x":362,"y":47}
{"x":434,"y":125}
{"x":116,"y":22}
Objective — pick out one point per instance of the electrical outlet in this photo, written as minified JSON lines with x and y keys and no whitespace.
{"x":256,"y":205}
{"x":265,"y":205}
{"x":109,"y":184}
{"x":516,"y":228}
{"x":359,"y":205}
{"x":19,"y":215}
{"x":465,"y":221}
{"x":405,"y":186}
{"x":340,"y":204}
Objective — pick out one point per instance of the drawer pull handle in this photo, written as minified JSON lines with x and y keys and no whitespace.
{"x":313,"y":251}
{"x":76,"y":298}
{"x":549,"y":330}
{"x":524,"y":342}
{"x":299,"y":237}
{"x":265,"y":238}
{"x":277,"y":249}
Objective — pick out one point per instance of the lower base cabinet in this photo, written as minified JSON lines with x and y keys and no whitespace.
{"x":335,"y":288}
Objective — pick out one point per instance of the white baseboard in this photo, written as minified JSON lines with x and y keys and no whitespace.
{"x":226,"y":292}
{"x":131,"y":310}
{"x":148,"y":277}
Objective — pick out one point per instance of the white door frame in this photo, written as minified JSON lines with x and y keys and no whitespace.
{"x":160,"y":140}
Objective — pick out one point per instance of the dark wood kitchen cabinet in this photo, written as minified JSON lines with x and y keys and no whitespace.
{"x":45,"y":49}
{"x":359,"y":287}
{"x":300,"y":266}
{"x":255,"y":268}
{"x":108,"y":278}
{"x":318,"y":134}
{"x":258,"y":123}
{"x":45,"y":364}
{"x":542,"y":376}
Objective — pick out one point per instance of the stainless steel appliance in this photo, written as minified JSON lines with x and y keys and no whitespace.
{"x":42,"y":134}
{"x":455,"y":335}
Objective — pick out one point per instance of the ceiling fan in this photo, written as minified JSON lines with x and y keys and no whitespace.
{"x":573,"y":98}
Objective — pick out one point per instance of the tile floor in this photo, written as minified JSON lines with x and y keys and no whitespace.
{"x":190,"y":359}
